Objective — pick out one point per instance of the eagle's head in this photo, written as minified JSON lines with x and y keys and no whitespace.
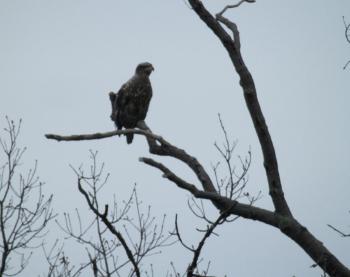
{"x":144,"y":69}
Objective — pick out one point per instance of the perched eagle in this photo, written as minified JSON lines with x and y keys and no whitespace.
{"x":130,"y":104}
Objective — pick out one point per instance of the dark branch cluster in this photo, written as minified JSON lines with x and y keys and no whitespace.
{"x":193,"y":269}
{"x":22,"y":223}
{"x":59,"y":264}
{"x":233,"y":184}
{"x":126,"y":234}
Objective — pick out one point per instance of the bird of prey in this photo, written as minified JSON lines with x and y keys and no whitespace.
{"x":130,"y":104}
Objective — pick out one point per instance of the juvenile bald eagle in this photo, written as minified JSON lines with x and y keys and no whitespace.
{"x":130,"y":104}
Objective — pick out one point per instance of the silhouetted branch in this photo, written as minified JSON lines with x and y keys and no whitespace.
{"x":164,"y":148}
{"x":157,"y":145}
{"x":347,"y":30}
{"x":287,"y":224}
{"x":104,"y":135}
{"x":59,"y":263}
{"x":247,"y":83}
{"x":150,"y":236}
{"x":233,"y":185}
{"x":22,"y":224}
{"x":111,"y":229}
{"x":194,"y":264}
{"x":338,"y":231}
{"x":235,"y":6}
{"x":347,"y":37}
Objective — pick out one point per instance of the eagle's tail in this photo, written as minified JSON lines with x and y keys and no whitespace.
{"x":129,"y":138}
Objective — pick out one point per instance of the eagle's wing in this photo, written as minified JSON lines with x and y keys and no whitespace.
{"x":147,"y":95}
{"x":122,"y":97}
{"x":120,"y":102}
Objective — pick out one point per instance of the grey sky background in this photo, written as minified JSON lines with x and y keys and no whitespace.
{"x":59,"y":60}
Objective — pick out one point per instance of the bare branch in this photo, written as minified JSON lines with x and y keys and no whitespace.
{"x":170,"y":175}
{"x":247,"y":83}
{"x":234,"y":207}
{"x":140,"y":237}
{"x":347,"y":30}
{"x":59,"y":263}
{"x":338,"y":231}
{"x":347,"y":37}
{"x":109,"y":226}
{"x":104,"y":135}
{"x":194,"y":264}
{"x":157,"y":145}
{"x":22,"y":223}
{"x":233,"y":185}
{"x":286,"y":223}
{"x":235,"y":6}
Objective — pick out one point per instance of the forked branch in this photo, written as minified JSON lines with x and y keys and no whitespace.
{"x":248,"y":86}
{"x":111,"y":228}
{"x":22,"y":224}
{"x":150,"y":235}
{"x":287,"y":224}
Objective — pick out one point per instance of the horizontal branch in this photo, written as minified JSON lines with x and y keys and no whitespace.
{"x":162,"y":148}
{"x":288,"y":225}
{"x":104,"y":135}
{"x":223,"y":203}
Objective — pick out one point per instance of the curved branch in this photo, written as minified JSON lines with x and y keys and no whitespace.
{"x":157,"y":146}
{"x":248,"y":86}
{"x":347,"y":30}
{"x":111,"y":228}
{"x":235,"y":6}
{"x":347,"y":37}
{"x":223,"y":203}
{"x":286,"y":223}
{"x":104,"y":135}
{"x":191,"y":268}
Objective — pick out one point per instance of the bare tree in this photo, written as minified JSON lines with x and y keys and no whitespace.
{"x":22,"y":222}
{"x":122,"y":241}
{"x":281,"y":217}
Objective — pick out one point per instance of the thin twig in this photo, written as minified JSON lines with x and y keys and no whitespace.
{"x":235,"y":6}
{"x":338,"y":231}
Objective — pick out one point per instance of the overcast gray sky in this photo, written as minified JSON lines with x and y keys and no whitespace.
{"x":59,"y":60}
